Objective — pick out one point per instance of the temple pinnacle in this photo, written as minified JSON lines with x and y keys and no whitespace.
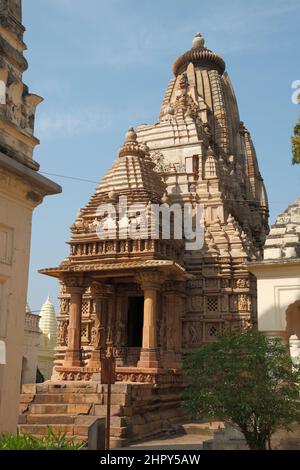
{"x":131,"y":135}
{"x":198,"y":41}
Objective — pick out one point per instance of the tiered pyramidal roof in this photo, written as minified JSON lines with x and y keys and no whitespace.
{"x":283,"y":241}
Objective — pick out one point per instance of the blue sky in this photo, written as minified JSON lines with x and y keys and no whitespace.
{"x":103,"y":65}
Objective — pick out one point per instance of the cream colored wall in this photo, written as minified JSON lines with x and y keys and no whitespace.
{"x":278,"y":287}
{"x":31,"y":343}
{"x":15,"y":232}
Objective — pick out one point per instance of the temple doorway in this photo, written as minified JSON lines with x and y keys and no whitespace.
{"x":135,"y":322}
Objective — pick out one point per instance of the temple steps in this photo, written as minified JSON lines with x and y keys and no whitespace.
{"x":137,"y":411}
{"x":81,"y":408}
{"x":50,"y":419}
{"x":65,"y":407}
{"x":42,"y":429}
{"x":52,"y":398}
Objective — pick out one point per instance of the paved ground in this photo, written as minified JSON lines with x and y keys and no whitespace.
{"x":176,"y":442}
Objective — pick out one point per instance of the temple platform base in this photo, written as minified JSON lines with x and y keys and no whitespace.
{"x":139,"y":410}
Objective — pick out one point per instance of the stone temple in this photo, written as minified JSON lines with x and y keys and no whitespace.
{"x":154,"y":298}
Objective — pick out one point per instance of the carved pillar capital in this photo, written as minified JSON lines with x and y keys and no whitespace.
{"x":98,"y":290}
{"x":150,"y":279}
{"x":74,"y":284}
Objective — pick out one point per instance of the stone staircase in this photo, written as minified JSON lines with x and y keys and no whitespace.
{"x":70,"y":408}
{"x":138,"y":410}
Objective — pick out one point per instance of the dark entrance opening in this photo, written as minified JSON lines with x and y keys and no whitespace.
{"x":135,"y":322}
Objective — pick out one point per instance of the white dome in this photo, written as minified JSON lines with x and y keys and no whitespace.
{"x":48,"y":322}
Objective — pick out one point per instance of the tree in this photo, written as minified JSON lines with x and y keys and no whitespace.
{"x":247,"y":379}
{"x":296,"y":144}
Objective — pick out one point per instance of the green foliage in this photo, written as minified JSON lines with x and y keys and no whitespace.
{"x":296,"y":144}
{"x":247,"y":379}
{"x":51,"y":441}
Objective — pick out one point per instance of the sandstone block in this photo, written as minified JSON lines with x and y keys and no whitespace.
{"x":79,"y":408}
{"x":118,"y":399}
{"x":26,"y":398}
{"x":49,"y":409}
{"x":42,"y":388}
{"x":119,"y":432}
{"x":100,"y":410}
{"x":23,"y":407}
{"x":42,"y":429}
{"x":50,"y":419}
{"x":29,"y":388}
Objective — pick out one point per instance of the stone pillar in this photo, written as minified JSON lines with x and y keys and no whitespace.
{"x":98,"y":331}
{"x":121,"y":329}
{"x":75,"y":289}
{"x":151,"y":282}
{"x":173,"y":298}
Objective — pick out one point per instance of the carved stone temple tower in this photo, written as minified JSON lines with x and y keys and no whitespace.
{"x":153,"y":298}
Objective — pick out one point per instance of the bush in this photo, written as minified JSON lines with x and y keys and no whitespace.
{"x":246,"y":379}
{"x":51,"y":441}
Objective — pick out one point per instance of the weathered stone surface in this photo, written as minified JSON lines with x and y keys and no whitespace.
{"x":75,"y":398}
{"x":50,"y":419}
{"x":44,"y":387}
{"x":59,"y":408}
{"x":42,"y":429}
{"x":118,"y":399}
{"x":23,"y":407}
{"x":22,"y":419}
{"x":29,"y":388}
{"x":26,"y":397}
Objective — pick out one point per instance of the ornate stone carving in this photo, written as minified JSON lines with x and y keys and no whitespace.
{"x":151,"y":279}
{"x":74,"y":281}
{"x":212,"y":330}
{"x":244,"y":303}
{"x":196,"y":303}
{"x":226,"y":283}
{"x":96,"y":337}
{"x":21,"y":106}
{"x":120,"y":332}
{"x":85,"y":333}
{"x":242,"y":283}
{"x":195,"y":284}
{"x":62,"y":333}
{"x":192,"y":333}
{"x":64,"y":306}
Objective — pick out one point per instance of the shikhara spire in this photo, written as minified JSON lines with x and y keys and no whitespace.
{"x":11,"y":17}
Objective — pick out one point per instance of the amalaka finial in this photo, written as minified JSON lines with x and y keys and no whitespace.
{"x":130,"y":135}
{"x":198,"y":41}
{"x":131,"y":145}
